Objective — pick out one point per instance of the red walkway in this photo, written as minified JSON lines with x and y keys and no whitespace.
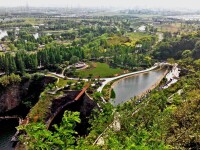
{"x":82,"y":92}
{"x":48,"y":123}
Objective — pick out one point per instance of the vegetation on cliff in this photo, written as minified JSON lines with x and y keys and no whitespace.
{"x":110,"y":45}
{"x":9,"y":80}
{"x":165,"y":119}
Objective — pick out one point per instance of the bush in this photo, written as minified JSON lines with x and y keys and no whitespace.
{"x":9,"y":80}
{"x":37,"y":76}
{"x":59,"y":70}
{"x":113,"y":95}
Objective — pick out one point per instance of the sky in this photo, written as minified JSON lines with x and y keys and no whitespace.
{"x":189,"y":4}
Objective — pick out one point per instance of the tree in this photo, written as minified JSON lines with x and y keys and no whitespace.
{"x":12,"y":47}
{"x":90,"y":76}
{"x":73,"y":60}
{"x":9,"y":80}
{"x":167,"y":35}
{"x":38,"y":137}
{"x":20,"y":63}
{"x":196,"y":51}
{"x":12,"y":64}
{"x":6,"y":65}
{"x":187,"y":53}
{"x":171,"y":60}
{"x":164,"y":50}
{"x":197,"y":64}
{"x":147,"y":60}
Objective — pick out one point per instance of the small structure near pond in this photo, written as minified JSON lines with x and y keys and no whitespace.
{"x":78,"y":65}
{"x":172,"y":76}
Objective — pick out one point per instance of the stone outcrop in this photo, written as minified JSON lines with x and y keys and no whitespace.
{"x":84,"y":105}
{"x":29,"y":90}
{"x":10,"y":98}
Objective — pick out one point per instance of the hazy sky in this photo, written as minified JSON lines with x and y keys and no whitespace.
{"x":190,"y":4}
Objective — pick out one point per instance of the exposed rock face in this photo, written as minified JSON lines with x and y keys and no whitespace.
{"x":10,"y":98}
{"x":85,"y":106}
{"x":13,"y":95}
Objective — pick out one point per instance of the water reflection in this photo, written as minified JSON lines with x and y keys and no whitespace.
{"x":128,"y":88}
{"x":7,"y":130}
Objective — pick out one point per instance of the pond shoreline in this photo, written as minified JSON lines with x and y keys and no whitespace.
{"x":115,"y":82}
{"x":137,"y":74}
{"x":153,"y":86}
{"x":146,"y":91}
{"x":108,"y":80}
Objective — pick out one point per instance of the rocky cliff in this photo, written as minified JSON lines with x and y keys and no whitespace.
{"x":27,"y":91}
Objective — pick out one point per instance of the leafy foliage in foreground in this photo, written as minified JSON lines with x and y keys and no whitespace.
{"x":163,"y":120}
{"x":38,"y":137}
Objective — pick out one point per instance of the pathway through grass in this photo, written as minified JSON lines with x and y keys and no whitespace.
{"x":100,"y":69}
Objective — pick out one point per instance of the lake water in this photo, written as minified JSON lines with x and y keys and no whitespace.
{"x":7,"y":130}
{"x":127,"y":88}
{"x":7,"y":127}
{"x":8,"y":19}
{"x":186,"y":17}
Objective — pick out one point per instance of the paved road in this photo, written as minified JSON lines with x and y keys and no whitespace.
{"x":2,"y":73}
{"x":107,"y":80}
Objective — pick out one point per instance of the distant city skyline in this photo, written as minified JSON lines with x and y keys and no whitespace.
{"x":167,"y":4}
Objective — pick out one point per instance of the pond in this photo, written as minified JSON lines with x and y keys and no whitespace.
{"x":8,"y":126}
{"x":7,"y":130}
{"x":128,"y":88}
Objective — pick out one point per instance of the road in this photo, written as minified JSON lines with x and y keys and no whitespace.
{"x":2,"y":73}
{"x":160,"y":36}
{"x":107,"y":80}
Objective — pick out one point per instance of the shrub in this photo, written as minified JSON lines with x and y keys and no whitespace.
{"x":9,"y":80}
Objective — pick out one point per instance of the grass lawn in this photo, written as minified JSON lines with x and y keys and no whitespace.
{"x":100,"y":69}
{"x":115,"y":40}
{"x":1,"y":53}
{"x":134,"y":37}
{"x":41,"y":108}
{"x":62,"y":82}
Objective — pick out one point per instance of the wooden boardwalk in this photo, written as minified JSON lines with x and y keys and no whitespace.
{"x":82,"y":92}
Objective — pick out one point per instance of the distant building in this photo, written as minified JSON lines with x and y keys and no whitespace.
{"x":156,"y":23}
{"x":17,"y":30}
{"x":80,"y":65}
{"x":3,"y":34}
{"x":36,"y":27}
{"x":36,"y":36}
{"x":142,"y":28}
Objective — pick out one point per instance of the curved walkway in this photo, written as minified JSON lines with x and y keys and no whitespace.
{"x":2,"y":73}
{"x":107,"y":80}
{"x":62,"y":76}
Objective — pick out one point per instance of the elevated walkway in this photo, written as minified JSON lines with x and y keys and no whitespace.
{"x":62,"y":108}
